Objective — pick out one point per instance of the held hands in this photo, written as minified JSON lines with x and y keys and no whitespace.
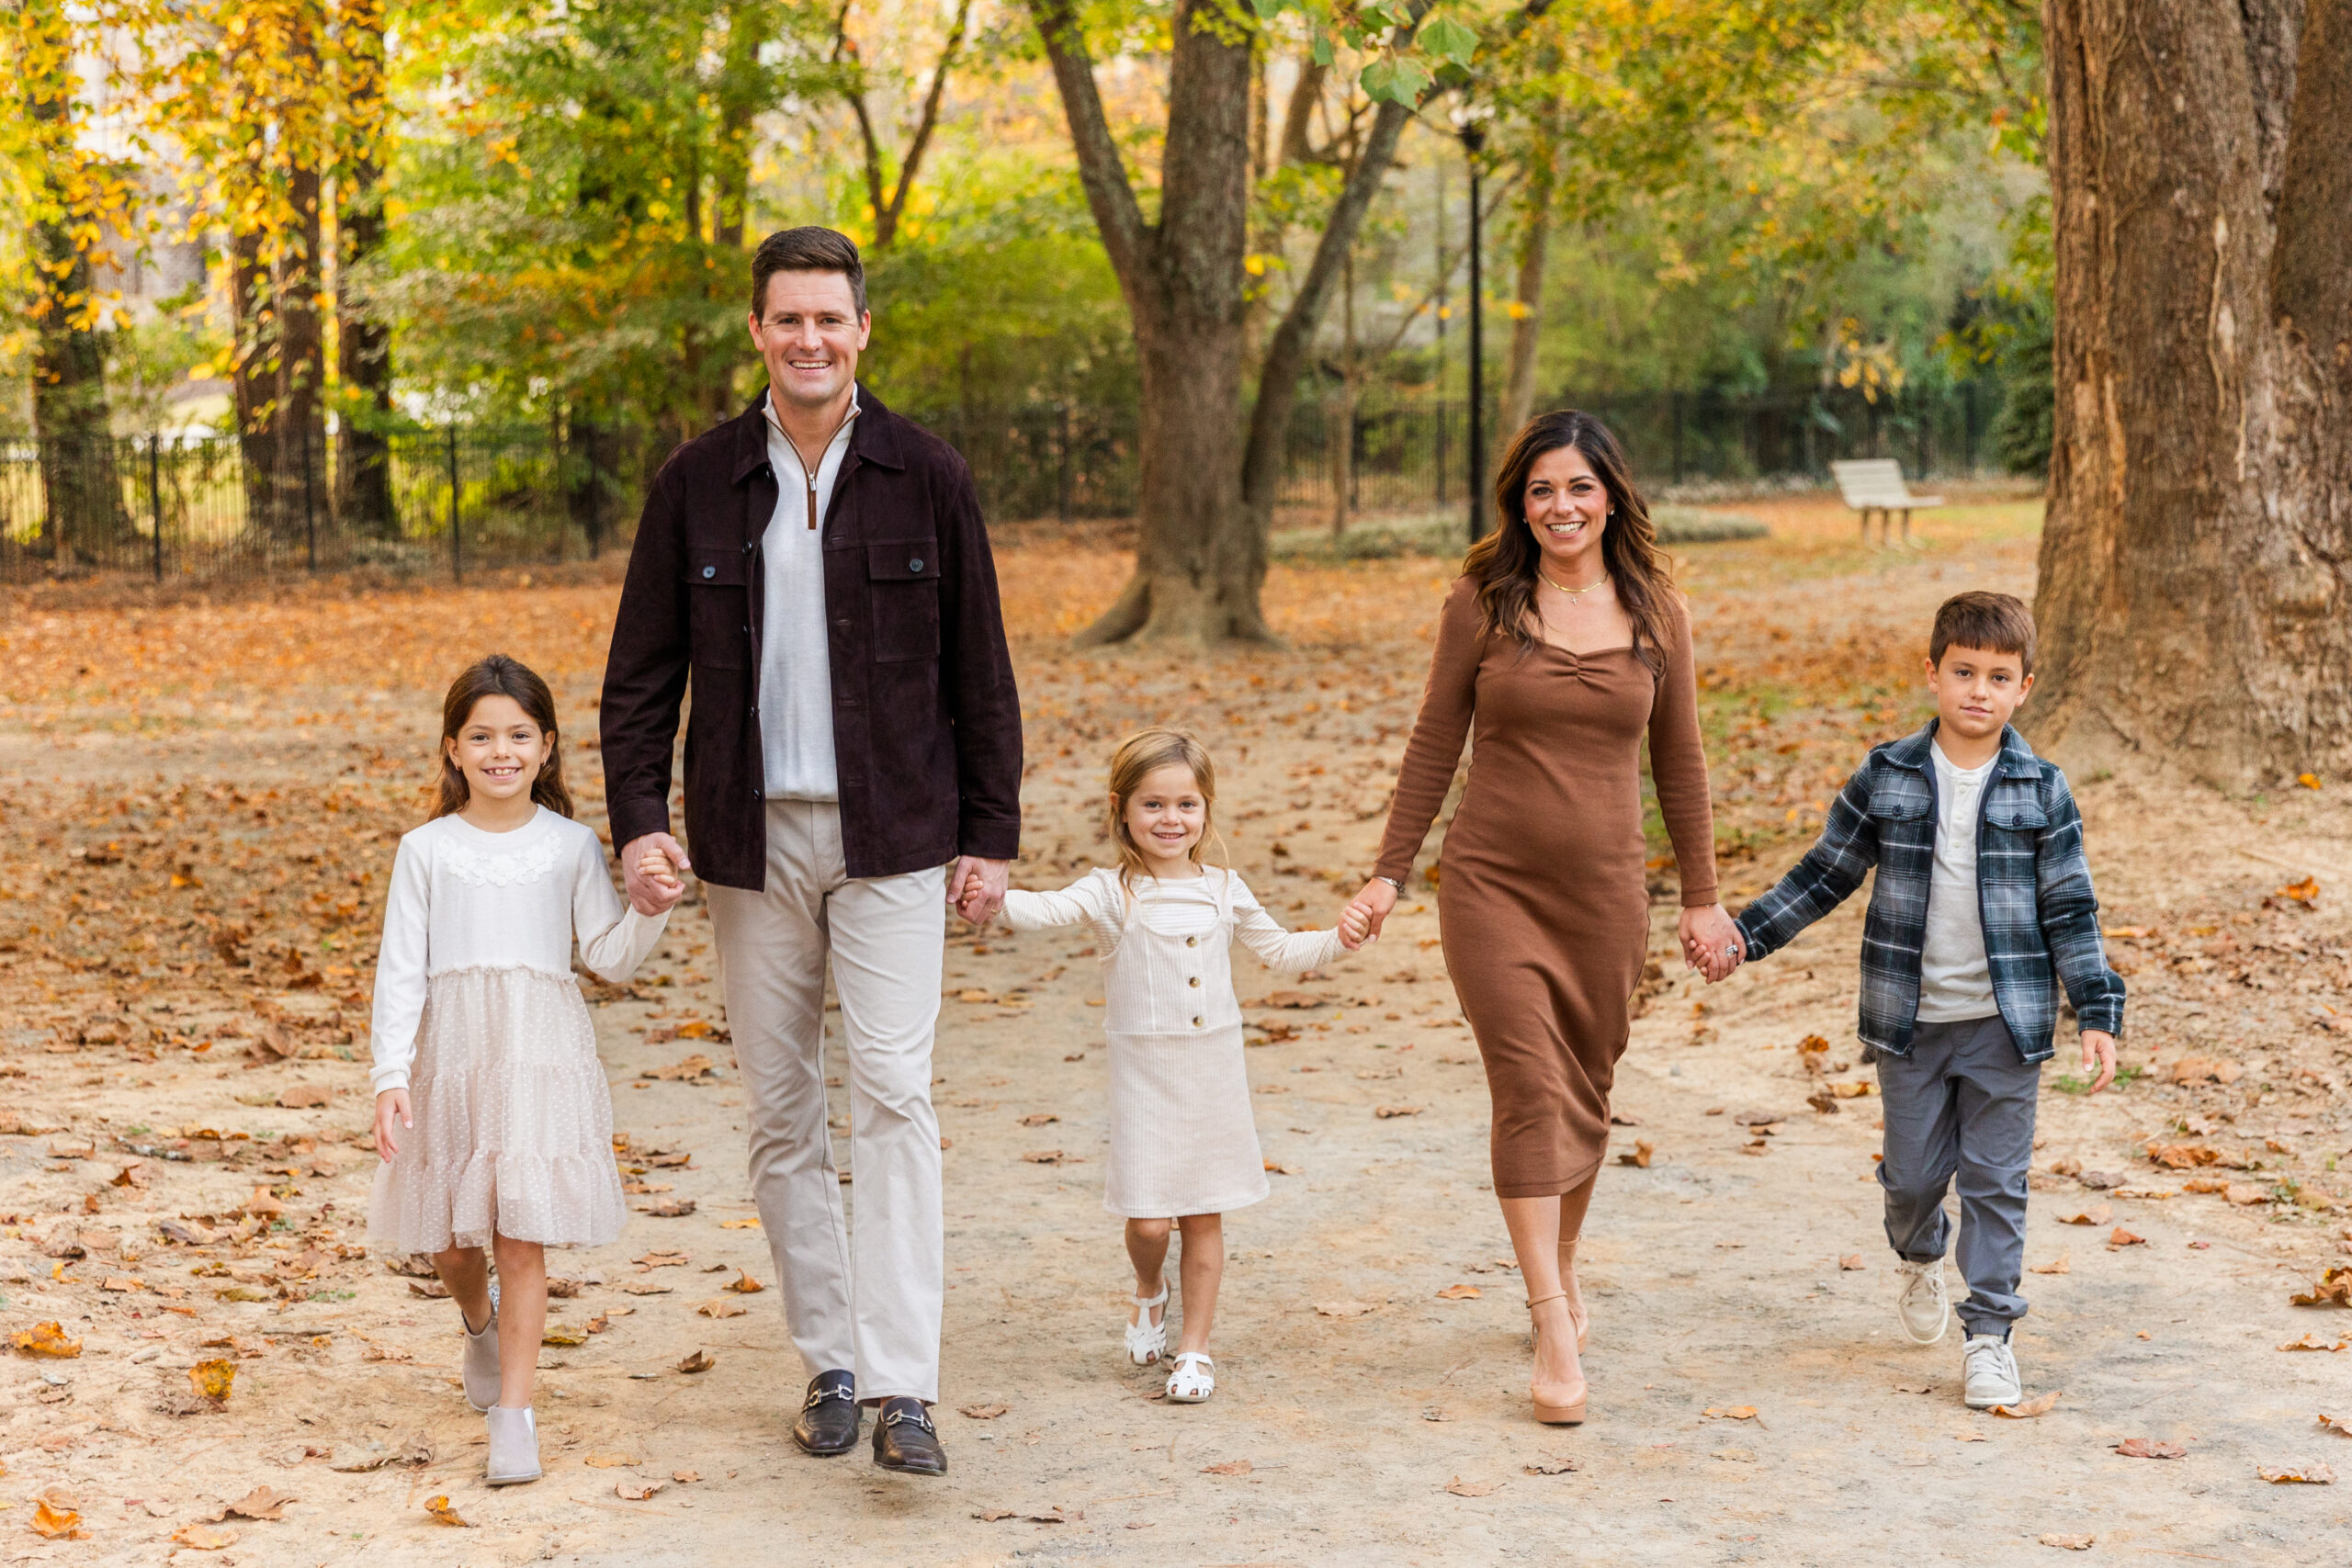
{"x":392,"y":1106}
{"x":664,"y":887}
{"x":1360,"y":922}
{"x":650,"y":869}
{"x":1711,"y":943}
{"x":976,"y":887}
{"x":2099,"y":1049}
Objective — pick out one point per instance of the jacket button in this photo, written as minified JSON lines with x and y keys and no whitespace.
{"x":710,"y":571}
{"x":1191,"y":941}
{"x":1194,"y":982}
{"x":1196,"y":1020}
{"x":915,"y":565}
{"x":747,"y":631}
{"x":749,"y":547}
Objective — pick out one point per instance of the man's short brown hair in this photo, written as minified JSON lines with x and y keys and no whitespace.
{"x":806,"y":249}
{"x":1997,"y":623}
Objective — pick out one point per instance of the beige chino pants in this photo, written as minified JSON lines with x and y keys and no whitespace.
{"x":868,"y":1300}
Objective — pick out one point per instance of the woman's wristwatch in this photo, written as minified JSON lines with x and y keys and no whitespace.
{"x":1391,"y":881}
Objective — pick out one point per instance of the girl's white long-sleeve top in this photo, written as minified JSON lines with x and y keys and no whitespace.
{"x":465,"y":898}
{"x":1172,"y":991}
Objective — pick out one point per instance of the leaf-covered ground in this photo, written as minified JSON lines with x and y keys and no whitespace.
{"x":203,"y":799}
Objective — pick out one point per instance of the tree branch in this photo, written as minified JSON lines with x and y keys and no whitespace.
{"x":1101,"y":170}
{"x":885,"y":227}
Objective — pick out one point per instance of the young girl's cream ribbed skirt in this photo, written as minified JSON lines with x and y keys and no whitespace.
{"x":1184,"y":1137}
{"x":514,"y":1122}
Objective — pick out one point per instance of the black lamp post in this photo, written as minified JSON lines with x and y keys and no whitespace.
{"x":1468,"y":124}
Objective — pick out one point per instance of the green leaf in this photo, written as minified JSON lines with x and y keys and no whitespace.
{"x":1394,"y":81}
{"x":1449,"y":39}
{"x":1268,"y":9}
{"x":1322,"y":50}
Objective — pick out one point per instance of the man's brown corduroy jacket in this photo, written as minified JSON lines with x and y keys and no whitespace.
{"x":926,"y":723}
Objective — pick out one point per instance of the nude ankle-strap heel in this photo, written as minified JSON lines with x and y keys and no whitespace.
{"x":1552,"y":1415}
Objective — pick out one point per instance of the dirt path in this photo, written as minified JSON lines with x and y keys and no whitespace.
{"x":1352,"y":1393}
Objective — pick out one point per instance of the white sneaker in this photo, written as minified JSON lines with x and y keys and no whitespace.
{"x":1989,"y":1373}
{"x":1922,"y":1306}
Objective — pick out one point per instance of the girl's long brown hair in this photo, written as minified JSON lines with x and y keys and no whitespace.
{"x":1504,"y":563}
{"x":1138,"y":757}
{"x":499,"y":676}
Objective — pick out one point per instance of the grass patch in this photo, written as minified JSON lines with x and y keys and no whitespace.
{"x":2068,"y":1083}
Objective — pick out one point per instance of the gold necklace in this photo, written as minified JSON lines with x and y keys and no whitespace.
{"x":1576,"y":593}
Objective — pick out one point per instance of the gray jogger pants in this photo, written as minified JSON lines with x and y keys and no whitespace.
{"x":1961,"y":1106}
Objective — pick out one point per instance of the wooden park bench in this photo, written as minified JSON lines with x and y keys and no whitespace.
{"x":1875,"y":484}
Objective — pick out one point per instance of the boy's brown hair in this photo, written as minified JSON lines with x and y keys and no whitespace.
{"x":1997,"y":623}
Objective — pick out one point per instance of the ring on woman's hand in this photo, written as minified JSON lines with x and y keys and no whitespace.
{"x":1730,"y":952}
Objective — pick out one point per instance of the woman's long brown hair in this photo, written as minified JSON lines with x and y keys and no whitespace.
{"x":499,"y":676}
{"x":1503,"y":564}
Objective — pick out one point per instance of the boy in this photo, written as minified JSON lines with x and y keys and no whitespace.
{"x":1982,"y":898}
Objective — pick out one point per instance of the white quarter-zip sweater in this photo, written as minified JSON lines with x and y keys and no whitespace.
{"x":795,"y":663}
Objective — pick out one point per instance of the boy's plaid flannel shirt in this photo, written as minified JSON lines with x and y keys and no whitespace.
{"x":2034,"y":895}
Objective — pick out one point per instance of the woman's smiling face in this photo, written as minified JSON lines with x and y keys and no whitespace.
{"x":1567,"y":510}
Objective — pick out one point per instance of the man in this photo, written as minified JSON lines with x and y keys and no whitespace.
{"x":817,"y":570}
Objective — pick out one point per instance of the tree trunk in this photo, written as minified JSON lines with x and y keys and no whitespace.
{"x":2196,"y":591}
{"x":301,"y":411}
{"x":363,"y":344}
{"x":1197,"y":562}
{"x":1527,"y":318}
{"x":81,"y":498}
{"x":254,"y":378}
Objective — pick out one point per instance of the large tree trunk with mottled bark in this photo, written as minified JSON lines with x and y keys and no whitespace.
{"x":363,"y":471}
{"x":2195,"y":593}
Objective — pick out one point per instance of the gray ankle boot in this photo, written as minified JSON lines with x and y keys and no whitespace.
{"x":513,"y":1445}
{"x":482,"y":1357}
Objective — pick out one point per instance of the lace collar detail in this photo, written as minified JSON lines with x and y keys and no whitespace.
{"x":522,"y":857}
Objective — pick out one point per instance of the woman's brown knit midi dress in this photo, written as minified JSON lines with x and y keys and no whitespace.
{"x":1541,"y":898}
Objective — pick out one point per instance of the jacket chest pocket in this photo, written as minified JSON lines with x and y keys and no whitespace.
{"x":902,"y":592}
{"x":719,"y":609}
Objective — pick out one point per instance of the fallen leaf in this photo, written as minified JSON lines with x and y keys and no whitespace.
{"x":685,"y":1477}
{"x":204,"y":1538}
{"x":1460,"y":1293}
{"x":645,"y":1288}
{"x":431,"y":1289}
{"x":983,"y":1411}
{"x":1554,"y":1466}
{"x":990,"y":1515}
{"x":212,"y":1380}
{"x":722,"y":1308}
{"x":1852,"y":1090}
{"x":1345,"y":1309}
{"x":676,"y":1209}
{"x":1642,"y":1151}
{"x":665,"y":1258}
{"x":2039,"y":1405}
{"x":442,"y":1514}
{"x":2151,"y":1447}
{"x":2121,"y":1238}
{"x":2331,"y":1424}
{"x":2310,"y":1474}
{"x":1851,"y":1262}
{"x":695,"y":1067}
{"x":1230,"y":1467}
{"x":1733,"y":1412}
{"x":47,"y":1339}
{"x":57,"y":1522}
{"x":2061,"y":1264}
{"x":744,"y":1284}
{"x":749,"y":1223}
{"x":613,"y":1461}
{"x":700,"y":1361}
{"x":2097,"y":1214}
{"x":1461,"y":1488}
{"x":1279,"y":1168}
{"x":638,"y":1491}
{"x":563,"y":1335}
{"x":1039,"y":1119}
{"x":2311,"y":1342}
{"x":1388,"y":1113}
{"x":2332,"y":1289}
{"x":2071,"y":1542}
{"x":306,"y":1097}
{"x":1759,"y":1118}
{"x":1043,"y":1156}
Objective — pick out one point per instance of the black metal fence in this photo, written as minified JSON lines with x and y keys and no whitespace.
{"x":457,"y":497}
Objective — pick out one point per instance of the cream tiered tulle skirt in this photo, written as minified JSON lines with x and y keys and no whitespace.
{"x":513,"y":1123}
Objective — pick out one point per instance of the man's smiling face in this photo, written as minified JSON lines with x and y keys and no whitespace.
{"x":809,"y":337}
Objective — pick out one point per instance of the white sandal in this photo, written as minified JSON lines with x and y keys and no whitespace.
{"x":1147,"y":1340}
{"x":1193,"y":1380}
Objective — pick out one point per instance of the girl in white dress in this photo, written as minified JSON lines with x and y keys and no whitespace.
{"x":492,"y":1116}
{"x":1183,"y":1140}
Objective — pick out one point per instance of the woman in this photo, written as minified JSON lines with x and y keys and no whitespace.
{"x":1564,"y":643}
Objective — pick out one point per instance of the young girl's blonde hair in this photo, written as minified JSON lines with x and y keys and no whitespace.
{"x":1138,"y":757}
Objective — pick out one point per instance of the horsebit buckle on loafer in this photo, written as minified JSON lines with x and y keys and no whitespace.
{"x":819,"y":1395}
{"x":919,"y":1416}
